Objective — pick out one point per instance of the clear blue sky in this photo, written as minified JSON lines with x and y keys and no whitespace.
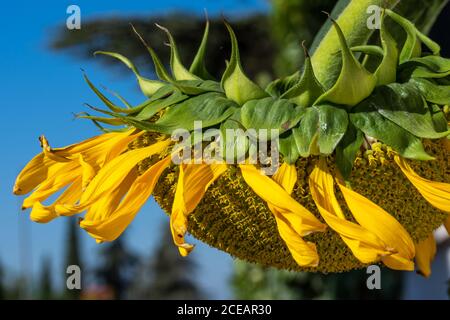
{"x":39,"y":91}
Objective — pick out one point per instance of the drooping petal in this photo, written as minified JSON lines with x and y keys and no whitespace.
{"x":447,"y":225}
{"x":43,"y":214}
{"x":267,"y":189}
{"x":425,"y":252}
{"x":436,"y":193}
{"x":373,"y":218}
{"x":60,"y":175}
{"x":96,"y":151}
{"x":193,"y":182}
{"x":112,"y":225}
{"x":365,"y":245}
{"x":303,"y":252}
{"x":111,"y":175}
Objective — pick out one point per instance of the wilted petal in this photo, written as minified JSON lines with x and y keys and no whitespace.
{"x":193,"y":182}
{"x":436,"y":193}
{"x":111,"y":225}
{"x":270,"y":191}
{"x":425,"y":252}
{"x":365,"y":245}
{"x":376,"y":220}
{"x":303,"y":252}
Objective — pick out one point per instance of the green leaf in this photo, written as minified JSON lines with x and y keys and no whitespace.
{"x":148,"y":87}
{"x":367,"y":118}
{"x":404,"y":105}
{"x":439,"y":118}
{"x":210,"y":108}
{"x":347,"y":149}
{"x":354,"y":83}
{"x":155,"y":106}
{"x":179,"y":71}
{"x":234,"y":140}
{"x":439,"y":94}
{"x":320,"y":130}
{"x":198,"y":66}
{"x":270,"y":113}
{"x":237,"y":86}
{"x":308,"y":89}
{"x":288,"y":148}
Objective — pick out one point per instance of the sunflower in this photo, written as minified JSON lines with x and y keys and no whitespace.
{"x":361,"y":178}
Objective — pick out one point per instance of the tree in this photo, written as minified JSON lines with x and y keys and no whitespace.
{"x":45,"y":290}
{"x":168,"y":275}
{"x":117,"y":268}
{"x":73,"y":256}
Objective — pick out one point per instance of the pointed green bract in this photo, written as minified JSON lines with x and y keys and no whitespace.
{"x":237,"y":86}
{"x":369,"y":49}
{"x":198,"y":66}
{"x":307,"y":90}
{"x":387,"y":70}
{"x":160,"y":70}
{"x":354,"y":83}
{"x":108,"y":102}
{"x":148,"y":87}
{"x":412,"y":46}
{"x":179,"y":71}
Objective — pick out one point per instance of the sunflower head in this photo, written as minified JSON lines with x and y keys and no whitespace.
{"x":306,"y":174}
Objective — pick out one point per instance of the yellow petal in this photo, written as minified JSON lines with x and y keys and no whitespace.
{"x":267,"y":189}
{"x":193,"y":182}
{"x":43,"y":214}
{"x":111,"y":175}
{"x":286,"y":176}
{"x":60,"y":175}
{"x":447,"y":225}
{"x":303,"y":252}
{"x":425,"y":252}
{"x":48,"y":152}
{"x":96,"y":151}
{"x":365,"y":245}
{"x":112,"y":225}
{"x":436,"y":193}
{"x":384,"y":226}
{"x":32,"y":175}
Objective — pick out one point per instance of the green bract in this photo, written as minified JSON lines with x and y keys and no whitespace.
{"x":399,"y":103}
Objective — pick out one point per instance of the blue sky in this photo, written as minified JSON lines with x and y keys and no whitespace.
{"x":39,"y":91}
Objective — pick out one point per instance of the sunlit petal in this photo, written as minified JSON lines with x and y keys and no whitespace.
{"x":112,"y":225}
{"x":425,"y":252}
{"x":436,"y":193}
{"x":270,"y":191}
{"x":193,"y":182}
